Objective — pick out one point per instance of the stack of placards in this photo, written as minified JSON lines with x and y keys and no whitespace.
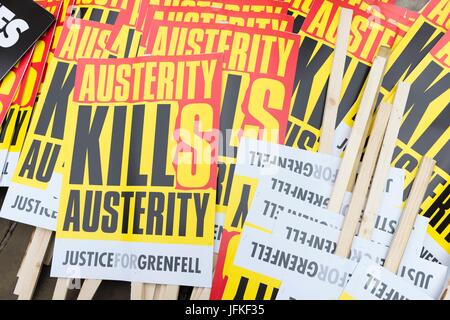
{"x":249,"y":149}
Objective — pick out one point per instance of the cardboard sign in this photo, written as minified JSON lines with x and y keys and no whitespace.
{"x":18,"y":118}
{"x":424,"y":132}
{"x":8,"y":89}
{"x":213,"y":15}
{"x":372,"y":282}
{"x":22,"y":23}
{"x":318,"y":37}
{"x":33,"y":196}
{"x":102,"y":11}
{"x":299,"y":9}
{"x":138,"y":194}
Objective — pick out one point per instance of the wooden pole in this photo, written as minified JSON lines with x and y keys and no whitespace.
{"x":357,"y":136}
{"x":376,"y":193}
{"x":409,"y":215}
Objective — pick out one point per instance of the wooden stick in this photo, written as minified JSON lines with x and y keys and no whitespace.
{"x":149,"y":291}
{"x":137,"y":291}
{"x":166,"y":292}
{"x":446,"y":294}
{"x":335,"y":82}
{"x":409,"y":215}
{"x":32,"y":266}
{"x":357,"y":136}
{"x":382,"y":170}
{"x":23,"y":262}
{"x":49,"y":254}
{"x":362,"y":186}
{"x":61,"y":289}
{"x":201,"y":293}
{"x":88,"y":289}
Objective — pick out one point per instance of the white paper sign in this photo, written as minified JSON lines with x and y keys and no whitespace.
{"x":372,"y":282}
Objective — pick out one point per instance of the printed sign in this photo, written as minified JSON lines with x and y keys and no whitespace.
{"x":428,"y":276}
{"x":138,"y":195}
{"x":8,"y":90}
{"x":17,"y":120}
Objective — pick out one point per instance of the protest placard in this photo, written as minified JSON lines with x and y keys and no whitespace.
{"x":120,"y":218}
{"x":17,"y":120}
{"x":318,"y":37}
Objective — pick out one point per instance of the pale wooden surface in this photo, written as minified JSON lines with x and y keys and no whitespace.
{"x":409,"y":215}
{"x":357,"y":135}
{"x":149,"y":291}
{"x":446,"y":294}
{"x":384,"y":52}
{"x":362,"y":185}
{"x":335,"y":82}
{"x":384,"y":163}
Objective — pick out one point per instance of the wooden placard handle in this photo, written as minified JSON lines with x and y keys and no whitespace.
{"x":362,"y":186}
{"x":335,"y":82}
{"x":380,"y":177}
{"x":357,"y":136}
{"x":409,"y":215}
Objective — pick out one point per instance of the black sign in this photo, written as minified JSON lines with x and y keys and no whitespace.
{"x":22,"y":22}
